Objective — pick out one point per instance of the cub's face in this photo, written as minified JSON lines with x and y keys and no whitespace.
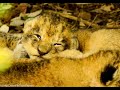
{"x":44,"y":35}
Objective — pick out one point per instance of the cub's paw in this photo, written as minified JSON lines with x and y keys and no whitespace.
{"x":72,"y":53}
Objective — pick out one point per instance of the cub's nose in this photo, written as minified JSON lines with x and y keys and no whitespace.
{"x":44,"y":49}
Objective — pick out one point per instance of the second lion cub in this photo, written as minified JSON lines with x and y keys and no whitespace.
{"x":104,"y":39}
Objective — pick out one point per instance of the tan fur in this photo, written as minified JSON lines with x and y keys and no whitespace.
{"x":103,"y":39}
{"x":3,"y":39}
{"x":61,"y":71}
{"x":12,"y":42}
{"x":83,"y":38}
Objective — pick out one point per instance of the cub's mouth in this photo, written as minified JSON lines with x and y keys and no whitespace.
{"x":59,"y":46}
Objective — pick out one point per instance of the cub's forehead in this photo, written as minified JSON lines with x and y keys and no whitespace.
{"x":46,"y":23}
{"x":30,"y":24}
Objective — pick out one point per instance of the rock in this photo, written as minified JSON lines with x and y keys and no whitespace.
{"x":4,"y":28}
{"x":16,"y":21}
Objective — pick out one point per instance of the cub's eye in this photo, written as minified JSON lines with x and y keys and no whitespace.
{"x":64,"y":41}
{"x":38,"y":36}
{"x":57,"y":44}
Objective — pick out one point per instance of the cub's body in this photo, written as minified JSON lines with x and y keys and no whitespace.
{"x":92,"y":42}
{"x":65,"y":72}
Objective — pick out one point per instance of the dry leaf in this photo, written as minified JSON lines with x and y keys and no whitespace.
{"x":107,"y":8}
{"x":16,"y":21}
{"x":33,"y":14}
{"x":82,"y":24}
{"x":85,"y":15}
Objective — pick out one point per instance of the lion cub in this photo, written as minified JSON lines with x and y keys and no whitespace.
{"x":103,"y":39}
{"x":66,"y":72}
{"x":49,"y":35}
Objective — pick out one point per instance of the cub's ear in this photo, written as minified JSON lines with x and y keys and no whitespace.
{"x":74,"y":43}
{"x":29,"y":24}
